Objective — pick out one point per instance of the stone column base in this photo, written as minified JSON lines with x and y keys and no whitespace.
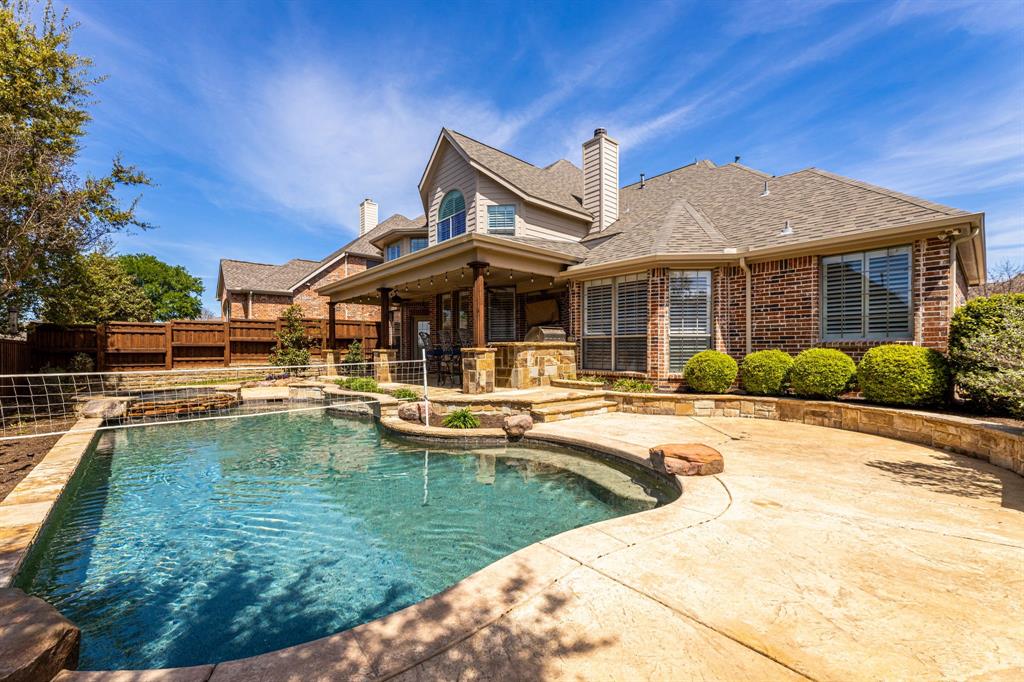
{"x":477,"y":370}
{"x":382,"y":359}
{"x":331,"y":359}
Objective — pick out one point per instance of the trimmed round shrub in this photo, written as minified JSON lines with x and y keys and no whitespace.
{"x":821,"y":373}
{"x":986,"y":352}
{"x":710,"y":371}
{"x":765,"y":372}
{"x":903,"y":375}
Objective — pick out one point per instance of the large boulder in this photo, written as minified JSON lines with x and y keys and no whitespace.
{"x":687,"y":459}
{"x":516,"y":425}
{"x":36,"y":642}
{"x":411,"y":412}
{"x":105,"y":408}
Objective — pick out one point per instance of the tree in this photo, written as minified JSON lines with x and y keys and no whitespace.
{"x":292,"y":345}
{"x":48,"y":214}
{"x":1007,"y":277}
{"x":174,"y":292}
{"x":95,"y":288}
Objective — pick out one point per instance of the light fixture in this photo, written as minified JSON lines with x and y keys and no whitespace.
{"x":510,"y":273}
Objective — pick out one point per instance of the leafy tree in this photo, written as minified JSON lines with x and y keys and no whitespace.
{"x":174,"y":292}
{"x":48,"y":214}
{"x":95,"y":288}
{"x":292,"y":344}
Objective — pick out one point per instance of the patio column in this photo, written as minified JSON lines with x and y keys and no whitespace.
{"x":479,"y":335}
{"x":384,"y":342}
{"x":332,"y":316}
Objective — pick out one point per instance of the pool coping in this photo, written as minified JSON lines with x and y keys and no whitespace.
{"x":25,"y":511}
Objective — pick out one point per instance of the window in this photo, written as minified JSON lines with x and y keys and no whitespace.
{"x":689,"y":316}
{"x":394,"y":251}
{"x":451,"y":216}
{"x":615,"y":324}
{"x":501,"y":219}
{"x":417,"y":243}
{"x":867,"y":295}
{"x":501,"y":314}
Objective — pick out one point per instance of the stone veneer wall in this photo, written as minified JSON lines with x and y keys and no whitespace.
{"x":477,"y":370}
{"x":523,"y":364}
{"x":994,"y":443}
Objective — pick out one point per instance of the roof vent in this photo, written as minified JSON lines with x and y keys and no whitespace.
{"x":737,"y":159}
{"x":642,"y":182}
{"x":787,"y":230}
{"x":765,"y":192}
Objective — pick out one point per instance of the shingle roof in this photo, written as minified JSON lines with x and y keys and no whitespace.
{"x":561,"y":183}
{"x":245,"y":276}
{"x":704,"y":208}
{"x":397,"y":224}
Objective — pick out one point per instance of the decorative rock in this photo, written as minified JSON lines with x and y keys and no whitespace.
{"x":36,"y":642}
{"x":104,"y":408}
{"x":411,"y":412}
{"x":516,"y":425}
{"x":687,"y":459}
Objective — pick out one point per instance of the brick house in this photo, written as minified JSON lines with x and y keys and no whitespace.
{"x":261,"y":291}
{"x":642,"y":276}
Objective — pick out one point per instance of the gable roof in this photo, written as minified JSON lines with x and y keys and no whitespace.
{"x":396,"y":225}
{"x":559,"y":184}
{"x":704,"y":208}
{"x":239,"y":275}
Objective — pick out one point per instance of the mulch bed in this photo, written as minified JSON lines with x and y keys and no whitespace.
{"x":19,"y":457}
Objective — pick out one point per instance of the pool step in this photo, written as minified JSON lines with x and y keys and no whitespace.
{"x":579,"y":408}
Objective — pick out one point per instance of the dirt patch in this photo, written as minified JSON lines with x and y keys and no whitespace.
{"x":18,"y":457}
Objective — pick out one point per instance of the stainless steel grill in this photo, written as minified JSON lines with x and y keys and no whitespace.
{"x":545,"y":333}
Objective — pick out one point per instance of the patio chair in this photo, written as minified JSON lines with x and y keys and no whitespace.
{"x":433,"y":355}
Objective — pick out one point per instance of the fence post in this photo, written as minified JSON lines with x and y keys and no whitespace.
{"x":101,"y":347}
{"x":168,"y":345}
{"x":426,"y":399}
{"x":227,"y":343}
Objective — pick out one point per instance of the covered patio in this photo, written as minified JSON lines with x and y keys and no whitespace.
{"x":471,"y":303}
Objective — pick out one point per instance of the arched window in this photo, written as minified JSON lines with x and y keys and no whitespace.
{"x":451,"y":216}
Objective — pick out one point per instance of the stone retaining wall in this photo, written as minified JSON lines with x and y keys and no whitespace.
{"x":1001,"y":445}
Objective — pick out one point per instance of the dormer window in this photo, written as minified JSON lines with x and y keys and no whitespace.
{"x":394,"y":250}
{"x":451,"y":216}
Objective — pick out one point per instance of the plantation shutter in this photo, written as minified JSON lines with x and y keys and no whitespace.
{"x":631,"y":325}
{"x":501,"y":315}
{"x":597,"y":322}
{"x":689,"y":294}
{"x":843,"y":286}
{"x":888,"y":295}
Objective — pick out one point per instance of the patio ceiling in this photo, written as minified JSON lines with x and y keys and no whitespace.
{"x":447,"y":266}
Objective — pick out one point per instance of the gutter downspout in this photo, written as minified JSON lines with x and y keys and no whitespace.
{"x":248,"y":308}
{"x":953,"y":243}
{"x":746,"y":270}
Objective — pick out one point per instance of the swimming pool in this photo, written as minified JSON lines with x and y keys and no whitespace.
{"x":207,"y":541}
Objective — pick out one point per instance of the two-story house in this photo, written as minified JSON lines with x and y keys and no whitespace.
{"x":644,"y":275}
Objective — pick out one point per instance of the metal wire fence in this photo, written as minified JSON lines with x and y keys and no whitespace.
{"x":51,"y":404}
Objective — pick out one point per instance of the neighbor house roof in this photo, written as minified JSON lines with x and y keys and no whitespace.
{"x":704,"y":208}
{"x":397,"y":225}
{"x":560,"y":183}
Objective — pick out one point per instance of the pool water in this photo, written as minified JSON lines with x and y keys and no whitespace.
{"x":201,"y":542}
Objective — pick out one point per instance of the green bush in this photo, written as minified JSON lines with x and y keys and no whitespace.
{"x":903,"y":375}
{"x":82,"y":362}
{"x":632,"y":386}
{"x":404,"y":394}
{"x":765,"y":372}
{"x":590,"y":378}
{"x":361,"y":384}
{"x":710,"y":371}
{"x":461,"y":419}
{"x":821,"y":373}
{"x":986,"y":351}
{"x":354,"y":353}
{"x":292,"y":345}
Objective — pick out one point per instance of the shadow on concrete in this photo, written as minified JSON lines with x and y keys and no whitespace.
{"x":960,"y":476}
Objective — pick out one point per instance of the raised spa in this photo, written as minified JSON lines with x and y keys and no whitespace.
{"x":201,"y":542}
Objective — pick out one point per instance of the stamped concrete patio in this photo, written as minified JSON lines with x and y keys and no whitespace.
{"x":818,"y":554}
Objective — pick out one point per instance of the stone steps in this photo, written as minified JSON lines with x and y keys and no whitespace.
{"x":582,"y":407}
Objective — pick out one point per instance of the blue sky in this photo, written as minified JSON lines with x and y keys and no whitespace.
{"x":264,"y":124}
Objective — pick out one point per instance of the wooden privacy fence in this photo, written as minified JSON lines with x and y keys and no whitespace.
{"x":15,"y":357}
{"x":183,"y":344}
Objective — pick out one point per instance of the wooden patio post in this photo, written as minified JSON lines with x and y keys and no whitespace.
{"x":332,"y":334}
{"x":479,"y":336}
{"x":384,"y":342}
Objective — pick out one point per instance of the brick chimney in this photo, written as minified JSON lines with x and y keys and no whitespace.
{"x":367,"y":216}
{"x":601,"y":179}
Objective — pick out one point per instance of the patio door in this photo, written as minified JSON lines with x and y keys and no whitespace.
{"x":419,"y":325}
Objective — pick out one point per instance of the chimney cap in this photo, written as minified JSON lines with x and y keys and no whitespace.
{"x":600,"y":131}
